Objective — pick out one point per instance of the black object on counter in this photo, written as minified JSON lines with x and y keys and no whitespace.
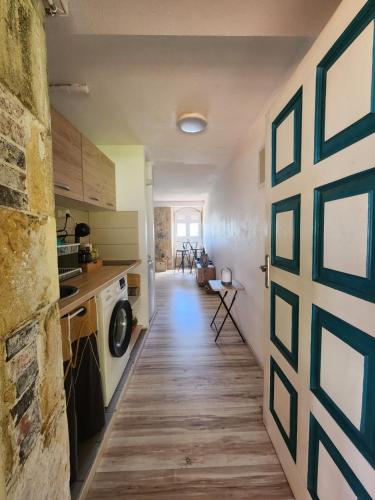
{"x":81,"y":231}
{"x":85,"y":255}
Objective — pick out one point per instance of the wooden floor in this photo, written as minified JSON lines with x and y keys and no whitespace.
{"x":190,"y":423}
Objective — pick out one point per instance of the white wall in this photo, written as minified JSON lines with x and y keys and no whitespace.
{"x":234,"y":233}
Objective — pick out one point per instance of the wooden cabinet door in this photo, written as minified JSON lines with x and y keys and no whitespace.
{"x":67,"y":160}
{"x":98,"y":176}
{"x":93,"y":175}
{"x":109,"y":184}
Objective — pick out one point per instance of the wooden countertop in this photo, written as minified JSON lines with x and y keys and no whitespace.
{"x":90,"y":284}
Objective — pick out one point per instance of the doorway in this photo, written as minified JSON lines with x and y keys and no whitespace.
{"x":187,"y":227}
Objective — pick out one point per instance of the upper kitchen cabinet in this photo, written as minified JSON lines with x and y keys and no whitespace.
{"x":81,"y":171}
{"x":109,"y":184}
{"x":99,"y":186}
{"x":67,"y":158}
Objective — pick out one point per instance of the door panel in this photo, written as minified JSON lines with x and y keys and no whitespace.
{"x":67,"y":161}
{"x":284,"y":321}
{"x":344,"y":231}
{"x":109,"y":183}
{"x":98,"y":176}
{"x":319,"y":398}
{"x":348,"y":92}
{"x":285,"y":234}
{"x":92,"y":172}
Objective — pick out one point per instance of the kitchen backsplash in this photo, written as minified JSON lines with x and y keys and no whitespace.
{"x":76,"y":216}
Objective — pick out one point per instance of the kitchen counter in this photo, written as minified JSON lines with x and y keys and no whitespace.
{"x":91,"y":283}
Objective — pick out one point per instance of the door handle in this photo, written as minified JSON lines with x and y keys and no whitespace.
{"x":265,"y":268}
{"x":60,"y":185}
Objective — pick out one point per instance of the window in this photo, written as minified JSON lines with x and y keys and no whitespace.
{"x":187,"y":227}
{"x":194,"y":230}
{"x":181,"y":229}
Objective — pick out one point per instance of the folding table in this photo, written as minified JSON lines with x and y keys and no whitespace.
{"x":223,"y":290}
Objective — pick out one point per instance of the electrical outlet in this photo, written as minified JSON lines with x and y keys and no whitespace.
{"x":61,"y":213}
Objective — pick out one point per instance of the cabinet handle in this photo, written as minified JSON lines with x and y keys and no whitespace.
{"x":93,"y":198}
{"x":81,"y":311}
{"x":62,"y":186}
{"x":110,"y":204}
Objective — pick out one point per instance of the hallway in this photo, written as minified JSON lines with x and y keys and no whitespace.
{"x":190,"y":422}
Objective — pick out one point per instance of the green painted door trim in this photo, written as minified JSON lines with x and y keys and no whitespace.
{"x":364,"y":126}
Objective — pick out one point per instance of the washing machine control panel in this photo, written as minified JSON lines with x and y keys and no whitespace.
{"x":122,"y":283}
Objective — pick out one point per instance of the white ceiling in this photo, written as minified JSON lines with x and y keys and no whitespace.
{"x":141,"y":77}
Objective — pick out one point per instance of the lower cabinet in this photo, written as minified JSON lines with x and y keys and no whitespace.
{"x":82,"y":379}
{"x":204,"y":274}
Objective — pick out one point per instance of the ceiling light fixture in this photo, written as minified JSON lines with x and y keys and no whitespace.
{"x":191,"y":123}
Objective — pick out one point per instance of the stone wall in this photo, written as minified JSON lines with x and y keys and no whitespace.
{"x":34,"y":442}
{"x":163,"y":234}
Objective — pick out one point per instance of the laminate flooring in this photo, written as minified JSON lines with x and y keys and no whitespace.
{"x":190,"y":422}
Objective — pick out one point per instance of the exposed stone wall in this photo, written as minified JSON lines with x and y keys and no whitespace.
{"x":34,"y":442}
{"x":163,"y":234}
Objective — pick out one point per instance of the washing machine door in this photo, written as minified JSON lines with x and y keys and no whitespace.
{"x":120,"y":328}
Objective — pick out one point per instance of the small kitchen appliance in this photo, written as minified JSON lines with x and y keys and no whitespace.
{"x":85,"y":253}
{"x":81,"y":231}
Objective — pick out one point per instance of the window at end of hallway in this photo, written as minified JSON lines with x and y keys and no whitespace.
{"x":194,"y":230}
{"x":181,"y":229}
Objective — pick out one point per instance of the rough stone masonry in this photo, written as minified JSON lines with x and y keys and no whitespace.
{"x":33,"y":441}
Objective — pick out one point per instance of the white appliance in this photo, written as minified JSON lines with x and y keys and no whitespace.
{"x":150,"y":240}
{"x":151,"y":287}
{"x":115,"y":337}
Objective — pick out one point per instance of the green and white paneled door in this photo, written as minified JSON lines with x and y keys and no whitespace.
{"x":319,"y":405}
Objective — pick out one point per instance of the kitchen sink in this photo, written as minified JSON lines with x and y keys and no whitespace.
{"x":67,"y":291}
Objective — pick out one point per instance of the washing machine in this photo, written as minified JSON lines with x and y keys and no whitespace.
{"x":115,"y":339}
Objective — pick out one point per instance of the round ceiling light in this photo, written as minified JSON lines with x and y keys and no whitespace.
{"x":191,"y":123}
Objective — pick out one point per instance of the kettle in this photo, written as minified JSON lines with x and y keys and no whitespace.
{"x":226,"y":276}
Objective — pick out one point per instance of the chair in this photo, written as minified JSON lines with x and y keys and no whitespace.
{"x":182,"y":254}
